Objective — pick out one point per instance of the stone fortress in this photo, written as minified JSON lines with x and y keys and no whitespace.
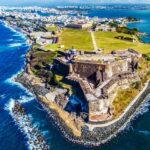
{"x":100,"y":76}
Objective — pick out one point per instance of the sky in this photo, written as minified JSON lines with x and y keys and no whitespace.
{"x":35,"y":2}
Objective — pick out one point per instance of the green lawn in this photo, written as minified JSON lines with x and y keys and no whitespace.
{"x":123,"y":99}
{"x":79,"y":39}
{"x":52,"y":28}
{"x":59,"y":81}
{"x":52,"y":47}
{"x":108,"y":41}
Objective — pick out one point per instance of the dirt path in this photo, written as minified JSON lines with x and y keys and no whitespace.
{"x":93,"y":40}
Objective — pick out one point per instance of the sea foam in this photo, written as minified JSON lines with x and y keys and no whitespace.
{"x":144,"y":132}
{"x":28,"y":97}
{"x":16,"y":44}
{"x":144,"y":107}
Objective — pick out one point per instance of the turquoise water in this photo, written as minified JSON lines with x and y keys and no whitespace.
{"x":13,"y":48}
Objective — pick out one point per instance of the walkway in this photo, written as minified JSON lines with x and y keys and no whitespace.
{"x":94,"y":41}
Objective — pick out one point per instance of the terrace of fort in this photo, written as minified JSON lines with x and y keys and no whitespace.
{"x":100,"y":76}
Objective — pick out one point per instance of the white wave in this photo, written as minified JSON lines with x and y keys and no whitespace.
{"x":11,"y":28}
{"x":36,"y":124}
{"x":45,"y":132}
{"x":145,"y":132}
{"x":26,"y":99}
{"x":7,"y":26}
{"x":144,"y":107}
{"x":9,"y":40}
{"x":2,"y":96}
{"x":128,"y":127}
{"x":16,"y":44}
{"x":16,"y":32}
{"x":10,"y":105}
{"x":11,"y":79}
{"x":142,"y":21}
{"x":23,"y":56}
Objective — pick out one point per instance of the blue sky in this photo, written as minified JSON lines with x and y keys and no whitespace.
{"x":35,"y":2}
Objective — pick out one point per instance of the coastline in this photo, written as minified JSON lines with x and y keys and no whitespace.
{"x":84,"y":140}
{"x":140,"y":34}
{"x":99,"y":135}
{"x":19,"y":31}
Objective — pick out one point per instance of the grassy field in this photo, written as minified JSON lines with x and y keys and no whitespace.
{"x":79,"y":39}
{"x":52,"y":28}
{"x":52,"y":47}
{"x":59,"y":81}
{"x":123,"y":99}
{"x":108,"y":41}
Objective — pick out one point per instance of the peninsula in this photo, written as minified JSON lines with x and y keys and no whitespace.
{"x":98,"y":61}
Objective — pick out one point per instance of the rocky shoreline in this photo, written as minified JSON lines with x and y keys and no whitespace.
{"x":99,"y":135}
{"x":35,"y":140}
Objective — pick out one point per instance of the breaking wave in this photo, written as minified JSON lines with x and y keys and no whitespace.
{"x":10,"y":40}
{"x":144,"y":132}
{"x":2,"y":96}
{"x":25,"y":98}
{"x":16,"y":44}
{"x":144,"y":107}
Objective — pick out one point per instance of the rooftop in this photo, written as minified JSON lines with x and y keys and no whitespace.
{"x":99,"y":58}
{"x":105,"y":58}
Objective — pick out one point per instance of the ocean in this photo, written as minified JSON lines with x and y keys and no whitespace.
{"x":13,"y":47}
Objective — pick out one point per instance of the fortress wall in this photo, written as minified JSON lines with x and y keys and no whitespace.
{"x":85,"y":69}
